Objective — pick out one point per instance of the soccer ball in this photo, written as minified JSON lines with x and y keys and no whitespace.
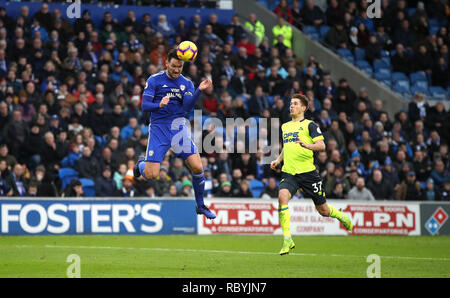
{"x":187,"y":51}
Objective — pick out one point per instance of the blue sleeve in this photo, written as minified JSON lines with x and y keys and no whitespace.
{"x":190,"y":97}
{"x":148,"y":96}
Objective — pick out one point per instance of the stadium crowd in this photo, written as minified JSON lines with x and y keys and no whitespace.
{"x":70,"y":98}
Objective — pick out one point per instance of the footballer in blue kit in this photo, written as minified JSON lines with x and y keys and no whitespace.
{"x":168,"y":95}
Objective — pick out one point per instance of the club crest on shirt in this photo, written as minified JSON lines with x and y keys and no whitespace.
{"x":182,"y":87}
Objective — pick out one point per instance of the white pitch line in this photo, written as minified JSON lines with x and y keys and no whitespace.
{"x":228,"y":252}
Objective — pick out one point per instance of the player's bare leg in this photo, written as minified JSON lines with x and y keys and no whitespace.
{"x":285,"y":220}
{"x":194,"y":163}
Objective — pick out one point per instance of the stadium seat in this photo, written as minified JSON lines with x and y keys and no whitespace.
{"x":377,"y":64}
{"x":402,"y":86}
{"x":88,"y":187}
{"x":344,"y":52}
{"x":349,"y":59}
{"x":385,"y":54}
{"x":368,"y":71}
{"x":362,"y":64}
{"x":311,"y":31}
{"x":256,"y":187}
{"x":438,"y":93}
{"x":417,"y":88}
{"x":323,"y":30}
{"x":67,"y":175}
{"x":383,"y":76}
{"x":448,"y":91}
{"x":399,"y":76}
{"x":417,"y":76}
{"x":421,"y":84}
{"x":360,"y":54}
{"x":434,"y":30}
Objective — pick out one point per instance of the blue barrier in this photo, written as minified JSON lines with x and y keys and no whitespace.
{"x":115,"y":216}
{"x":120,"y":11}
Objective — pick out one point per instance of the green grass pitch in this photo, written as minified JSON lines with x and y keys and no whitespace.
{"x":191,"y":256}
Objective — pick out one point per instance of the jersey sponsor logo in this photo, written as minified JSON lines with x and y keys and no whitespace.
{"x":290,"y":137}
{"x":165,"y":86}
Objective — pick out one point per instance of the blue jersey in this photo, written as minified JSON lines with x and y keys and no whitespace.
{"x":179,"y":90}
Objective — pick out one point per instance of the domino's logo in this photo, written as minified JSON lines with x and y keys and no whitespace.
{"x":436,"y":221}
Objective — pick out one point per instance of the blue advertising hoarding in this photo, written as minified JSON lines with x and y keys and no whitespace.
{"x":68,"y":216}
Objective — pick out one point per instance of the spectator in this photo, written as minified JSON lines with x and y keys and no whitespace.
{"x":271,"y":190}
{"x":162,"y":182}
{"x":17,"y":181}
{"x":186,"y":188}
{"x":244,"y":191}
{"x":281,"y":28}
{"x":337,"y":37}
{"x":380,"y":188}
{"x":225,"y":190}
{"x":360,"y":192}
{"x":87,"y":166}
{"x":429,"y":193}
{"x":164,"y":27}
{"x":128,"y":190}
{"x":444,"y":194}
{"x":73,"y":189}
{"x":284,"y":11}
{"x":311,"y":14}
{"x":439,"y":174}
{"x":410,"y":189}
{"x":105,"y":186}
{"x":256,"y":27}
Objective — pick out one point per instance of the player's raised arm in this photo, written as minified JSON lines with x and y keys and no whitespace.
{"x":190,"y":98}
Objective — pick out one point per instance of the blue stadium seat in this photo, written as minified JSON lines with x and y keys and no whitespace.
{"x":438,"y":93}
{"x":411,"y":11}
{"x":418,"y":76}
{"x":434,"y":30}
{"x":416,"y":88}
{"x":67,"y":175}
{"x":433,"y":22}
{"x":398,"y":76}
{"x":402,"y":86}
{"x":344,"y":52}
{"x":448,"y":91}
{"x":382,"y":76}
{"x":421,"y":84}
{"x":308,"y":30}
{"x":349,"y":59}
{"x":368,"y":71}
{"x":377,"y":64}
{"x":88,"y":187}
{"x":256,"y":187}
{"x":360,"y":54}
{"x":385,"y":54}
{"x":362,"y":64}
{"x":323,"y":30}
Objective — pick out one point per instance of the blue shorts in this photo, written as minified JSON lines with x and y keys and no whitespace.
{"x":161,"y":138}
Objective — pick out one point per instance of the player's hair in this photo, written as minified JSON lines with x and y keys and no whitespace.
{"x":303,"y":99}
{"x":172,"y":55}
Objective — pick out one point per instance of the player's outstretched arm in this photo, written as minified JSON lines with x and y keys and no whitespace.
{"x":190,"y":98}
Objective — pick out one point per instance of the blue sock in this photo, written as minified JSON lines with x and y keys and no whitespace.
{"x":198,"y":182}
{"x":141,"y":168}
